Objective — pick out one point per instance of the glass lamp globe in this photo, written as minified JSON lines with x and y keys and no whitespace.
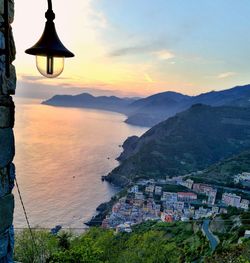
{"x":49,"y":66}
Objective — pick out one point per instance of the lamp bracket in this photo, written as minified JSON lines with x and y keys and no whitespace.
{"x":50,"y":15}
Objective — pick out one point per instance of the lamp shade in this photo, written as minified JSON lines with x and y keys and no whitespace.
{"x":49,"y":44}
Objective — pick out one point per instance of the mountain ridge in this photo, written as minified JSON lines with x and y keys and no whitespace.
{"x":156,"y":108}
{"x":86,"y":100}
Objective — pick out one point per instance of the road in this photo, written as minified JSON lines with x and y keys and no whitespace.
{"x":210,"y":236}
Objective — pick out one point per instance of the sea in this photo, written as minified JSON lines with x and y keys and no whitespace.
{"x":61,"y":154}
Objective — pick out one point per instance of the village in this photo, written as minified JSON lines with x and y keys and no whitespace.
{"x":172,"y":199}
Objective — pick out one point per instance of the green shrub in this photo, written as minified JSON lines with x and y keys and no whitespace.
{"x":28,"y":252}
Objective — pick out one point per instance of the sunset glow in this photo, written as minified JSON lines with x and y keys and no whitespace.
{"x":141,"y":47}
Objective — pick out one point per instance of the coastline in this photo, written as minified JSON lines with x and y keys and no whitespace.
{"x":103,"y":209}
{"x":114,"y":179}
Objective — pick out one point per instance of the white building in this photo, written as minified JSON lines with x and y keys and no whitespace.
{"x":244,"y":204}
{"x":161,"y":181}
{"x":231,"y":199}
{"x":201,"y":213}
{"x":188,"y":183}
{"x":247,"y":234}
{"x":184,"y":218}
{"x":169,"y":197}
{"x":246,"y":175}
{"x":139,"y":196}
{"x":158,"y":190}
{"x":179,"y":205}
{"x":212,"y":196}
{"x":215,"y":209}
{"x":177,"y":179}
{"x":150,"y":188}
{"x":134,"y":189}
{"x":242,"y":177}
{"x":123,"y":228}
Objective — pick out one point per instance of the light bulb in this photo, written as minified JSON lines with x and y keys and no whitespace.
{"x":49,"y":66}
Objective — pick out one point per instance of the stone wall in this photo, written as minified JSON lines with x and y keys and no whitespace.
{"x":7,"y":146}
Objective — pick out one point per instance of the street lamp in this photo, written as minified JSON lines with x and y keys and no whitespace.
{"x":49,"y":50}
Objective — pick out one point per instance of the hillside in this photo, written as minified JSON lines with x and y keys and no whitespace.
{"x":223,"y":172}
{"x":189,"y":141}
{"x":156,"y":108}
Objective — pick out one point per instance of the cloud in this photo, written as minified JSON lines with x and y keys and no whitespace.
{"x":93,"y":18}
{"x":30,"y":78}
{"x":164,"y":54}
{"x":225,"y":75}
{"x":131,"y":50}
{"x":153,"y":48}
{"x":141,"y":48}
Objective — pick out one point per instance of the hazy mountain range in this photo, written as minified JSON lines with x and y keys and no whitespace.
{"x":85,"y":100}
{"x":156,"y":108}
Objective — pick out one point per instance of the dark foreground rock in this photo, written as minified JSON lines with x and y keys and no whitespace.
{"x":103,"y":210}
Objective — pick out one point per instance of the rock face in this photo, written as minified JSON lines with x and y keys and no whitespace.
{"x":7,"y":147}
{"x":128,"y":146}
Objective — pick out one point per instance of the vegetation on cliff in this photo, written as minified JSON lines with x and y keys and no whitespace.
{"x":223,"y":172}
{"x":230,"y":228}
{"x":190,"y":141}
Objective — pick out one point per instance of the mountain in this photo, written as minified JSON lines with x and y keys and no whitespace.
{"x":237,"y":96}
{"x":86,"y":100}
{"x":156,"y":108}
{"x":190,"y":141}
{"x":153,"y":109}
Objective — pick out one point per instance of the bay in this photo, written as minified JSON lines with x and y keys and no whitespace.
{"x":61,"y":154}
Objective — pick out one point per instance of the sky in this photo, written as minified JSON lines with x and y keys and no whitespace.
{"x":139,"y":47}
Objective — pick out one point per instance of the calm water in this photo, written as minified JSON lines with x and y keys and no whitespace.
{"x":61,"y":153}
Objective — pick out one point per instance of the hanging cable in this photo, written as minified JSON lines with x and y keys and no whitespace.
{"x":34,"y":247}
{"x":49,"y":5}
